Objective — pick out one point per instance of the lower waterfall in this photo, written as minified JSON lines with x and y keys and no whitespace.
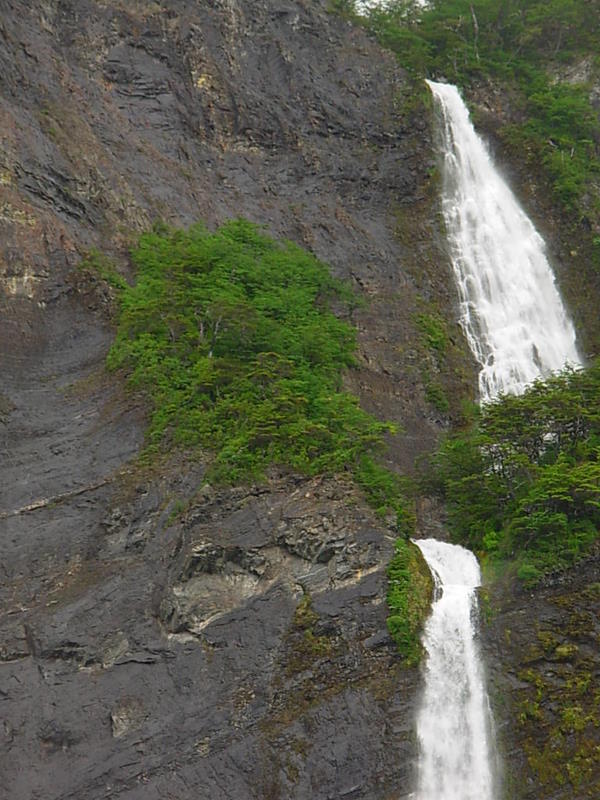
{"x":454,"y":722}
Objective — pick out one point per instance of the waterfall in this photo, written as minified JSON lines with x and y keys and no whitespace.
{"x":517,"y":328}
{"x":454,"y":721}
{"x":510,"y":309}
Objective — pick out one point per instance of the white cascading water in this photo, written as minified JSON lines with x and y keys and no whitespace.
{"x":518,"y":330}
{"x":511,"y":311}
{"x":454,"y":723}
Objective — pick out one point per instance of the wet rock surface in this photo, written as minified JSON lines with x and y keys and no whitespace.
{"x":542,"y":654}
{"x":157,"y":641}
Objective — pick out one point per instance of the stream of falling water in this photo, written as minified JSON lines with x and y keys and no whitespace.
{"x":511,"y":311}
{"x":518,"y":330}
{"x":454,"y":721}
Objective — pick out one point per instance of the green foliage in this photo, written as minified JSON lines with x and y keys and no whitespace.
{"x":514,"y":42}
{"x":386,"y":492}
{"x":560,"y":135}
{"x":409,"y":579}
{"x":523,"y":481}
{"x":462,"y":39}
{"x":305,"y":617}
{"x":409,"y":598}
{"x":346,"y":8}
{"x":231,"y":336}
{"x":433,"y":331}
{"x":435,"y":394}
{"x":435,"y":344}
{"x":307,"y":646}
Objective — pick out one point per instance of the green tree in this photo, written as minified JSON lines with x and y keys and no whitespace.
{"x":523,"y":481}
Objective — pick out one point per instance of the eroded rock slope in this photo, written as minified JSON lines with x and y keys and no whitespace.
{"x":157,"y":642}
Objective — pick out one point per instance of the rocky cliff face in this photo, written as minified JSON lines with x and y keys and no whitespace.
{"x":542,"y":655}
{"x":156,"y":641}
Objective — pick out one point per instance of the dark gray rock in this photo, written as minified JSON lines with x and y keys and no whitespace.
{"x":146,"y":653}
{"x":542,"y":653}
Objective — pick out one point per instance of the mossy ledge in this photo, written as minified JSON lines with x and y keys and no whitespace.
{"x":409,"y":596}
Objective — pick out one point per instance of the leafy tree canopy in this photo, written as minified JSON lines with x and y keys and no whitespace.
{"x":523,"y":482}
{"x":231,"y":335}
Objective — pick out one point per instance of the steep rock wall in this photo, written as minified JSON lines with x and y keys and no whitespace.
{"x":542,"y":654}
{"x":237,"y":648}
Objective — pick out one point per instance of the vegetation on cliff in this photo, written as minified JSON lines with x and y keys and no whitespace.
{"x":522,"y":482}
{"x":526,"y":46}
{"x":409,"y":598}
{"x":557,"y":702}
{"x":231,"y":336}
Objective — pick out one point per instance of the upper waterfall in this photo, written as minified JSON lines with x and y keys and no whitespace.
{"x":511,"y":311}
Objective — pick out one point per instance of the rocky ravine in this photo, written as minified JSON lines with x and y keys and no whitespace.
{"x":237,"y":649}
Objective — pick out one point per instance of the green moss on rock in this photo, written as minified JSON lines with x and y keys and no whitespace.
{"x":557,"y":706}
{"x":409,"y":596}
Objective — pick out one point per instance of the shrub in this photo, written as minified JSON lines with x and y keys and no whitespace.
{"x":523,"y":481}
{"x":231,"y":336}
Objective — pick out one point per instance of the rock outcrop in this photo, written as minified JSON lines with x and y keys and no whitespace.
{"x":542,"y":654}
{"x":156,"y":641}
